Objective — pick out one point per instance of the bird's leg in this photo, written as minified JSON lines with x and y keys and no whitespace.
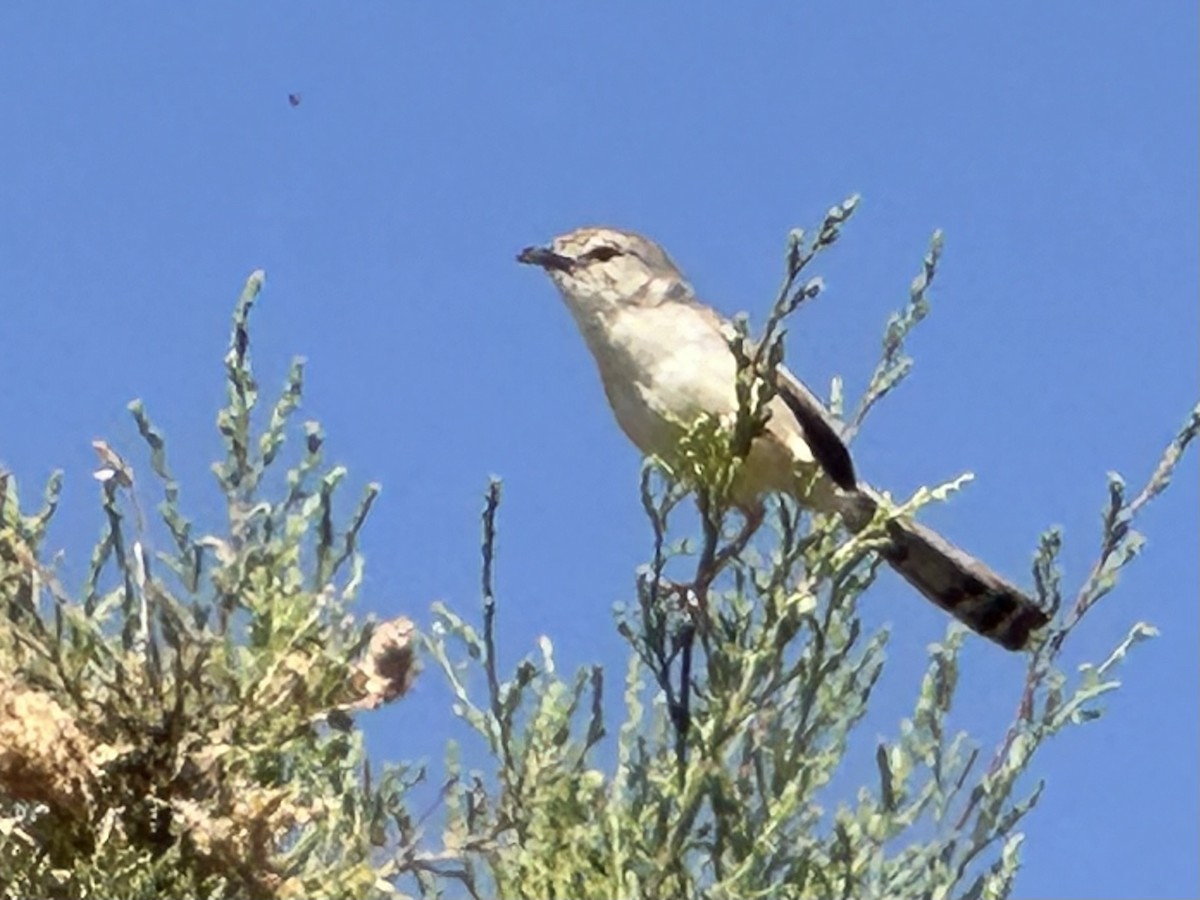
{"x":691,"y":599}
{"x":753,"y":516}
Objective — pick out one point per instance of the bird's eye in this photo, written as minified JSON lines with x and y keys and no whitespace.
{"x":602,"y":253}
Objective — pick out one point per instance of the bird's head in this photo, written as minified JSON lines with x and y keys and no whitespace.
{"x":600,"y":269}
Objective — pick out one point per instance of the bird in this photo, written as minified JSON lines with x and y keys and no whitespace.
{"x":665,"y":361}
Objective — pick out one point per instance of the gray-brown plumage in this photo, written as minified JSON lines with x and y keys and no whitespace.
{"x":664,"y":360}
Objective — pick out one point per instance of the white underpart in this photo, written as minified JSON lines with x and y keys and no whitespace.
{"x":660,"y":370}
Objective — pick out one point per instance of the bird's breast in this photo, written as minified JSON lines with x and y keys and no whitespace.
{"x":661,"y":370}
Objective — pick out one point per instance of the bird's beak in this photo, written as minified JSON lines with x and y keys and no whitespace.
{"x":546,"y":258}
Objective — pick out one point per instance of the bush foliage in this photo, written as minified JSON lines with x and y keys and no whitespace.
{"x":187,"y":721}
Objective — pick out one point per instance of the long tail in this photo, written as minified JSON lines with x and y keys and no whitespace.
{"x":963,"y":586}
{"x":959,"y":583}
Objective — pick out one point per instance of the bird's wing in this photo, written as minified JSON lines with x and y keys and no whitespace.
{"x":822,"y":431}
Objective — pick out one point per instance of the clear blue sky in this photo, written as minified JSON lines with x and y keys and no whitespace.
{"x":150,"y":160}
